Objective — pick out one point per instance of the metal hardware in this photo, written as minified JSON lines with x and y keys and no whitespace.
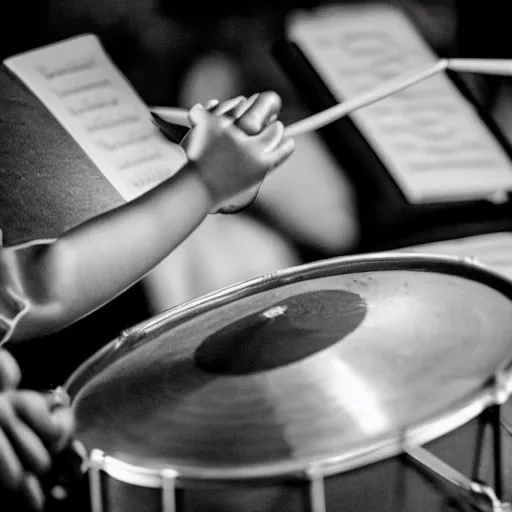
{"x":96,"y":465}
{"x":445,"y":471}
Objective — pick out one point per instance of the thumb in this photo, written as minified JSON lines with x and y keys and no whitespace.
{"x":197,"y":114}
{"x":196,"y":138}
{"x":271,"y":136}
{"x":64,"y":421}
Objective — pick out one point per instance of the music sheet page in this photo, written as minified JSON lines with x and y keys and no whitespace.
{"x":85,"y":91}
{"x":430,"y":137}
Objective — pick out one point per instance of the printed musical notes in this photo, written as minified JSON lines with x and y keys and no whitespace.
{"x":86,"y":92}
{"x":430,"y":137}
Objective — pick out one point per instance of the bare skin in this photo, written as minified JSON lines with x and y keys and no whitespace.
{"x":63,"y":280}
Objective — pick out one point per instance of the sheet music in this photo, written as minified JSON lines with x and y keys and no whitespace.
{"x":430,"y":137}
{"x":493,"y":250}
{"x":80,"y":85}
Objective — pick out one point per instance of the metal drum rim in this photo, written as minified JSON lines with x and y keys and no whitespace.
{"x":429,"y":430}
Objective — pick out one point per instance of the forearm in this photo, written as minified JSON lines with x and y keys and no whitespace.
{"x":96,"y":261}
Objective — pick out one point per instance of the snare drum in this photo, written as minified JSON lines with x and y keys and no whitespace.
{"x":351,"y":384}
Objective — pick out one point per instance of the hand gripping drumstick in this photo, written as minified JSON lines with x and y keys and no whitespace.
{"x":501,"y":67}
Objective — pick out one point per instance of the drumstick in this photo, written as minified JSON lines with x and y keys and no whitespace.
{"x":173,"y":115}
{"x":501,"y":67}
{"x":340,"y":110}
{"x":316,"y":121}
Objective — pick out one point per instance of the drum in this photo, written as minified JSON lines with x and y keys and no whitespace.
{"x":356,"y":383}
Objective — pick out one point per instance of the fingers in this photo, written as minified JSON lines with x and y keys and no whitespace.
{"x":196,"y":140}
{"x":252,"y":114}
{"x":197,"y":114}
{"x":282,"y":152}
{"x":11,"y":470}
{"x":29,"y":447}
{"x":64,"y":419}
{"x":211,"y":104}
{"x":271,"y":136}
{"x":276,"y":145}
{"x":14,"y":478}
{"x":32,"y":408}
{"x":227,"y":107}
{"x":32,"y":425}
{"x":10,"y":374}
{"x":57,"y":397}
{"x":32,"y":491}
{"x":244,"y":106}
{"x":54,"y":428}
{"x":262,"y":111}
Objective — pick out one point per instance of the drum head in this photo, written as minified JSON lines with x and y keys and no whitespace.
{"x":318,"y":363}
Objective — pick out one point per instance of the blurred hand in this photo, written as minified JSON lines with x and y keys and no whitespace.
{"x":10,"y":374}
{"x":234,"y":145}
{"x":33,"y":428}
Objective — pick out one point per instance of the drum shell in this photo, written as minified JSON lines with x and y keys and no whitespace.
{"x":395,"y":484}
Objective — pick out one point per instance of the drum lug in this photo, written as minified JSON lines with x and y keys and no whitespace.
{"x":95,"y":468}
{"x":501,"y":388}
{"x":168,"y":490}
{"x":447,"y":472}
{"x":316,"y":491}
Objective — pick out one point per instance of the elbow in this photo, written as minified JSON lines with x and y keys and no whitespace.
{"x":40,"y":273}
{"x":40,"y":319}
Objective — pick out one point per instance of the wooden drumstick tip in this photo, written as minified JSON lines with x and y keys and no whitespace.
{"x":173,"y":115}
{"x":501,"y":67}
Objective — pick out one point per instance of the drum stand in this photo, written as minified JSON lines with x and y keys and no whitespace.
{"x":477,"y":489}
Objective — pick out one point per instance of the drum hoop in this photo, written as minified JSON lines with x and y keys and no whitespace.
{"x":496,"y":392}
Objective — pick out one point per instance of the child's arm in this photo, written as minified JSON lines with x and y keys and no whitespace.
{"x":74,"y":275}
